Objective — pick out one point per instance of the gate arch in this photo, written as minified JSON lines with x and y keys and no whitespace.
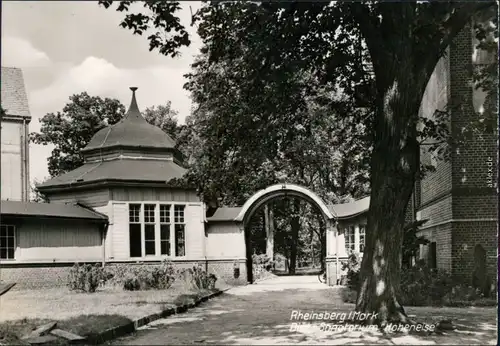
{"x":281,"y":190}
{"x":263,"y":196}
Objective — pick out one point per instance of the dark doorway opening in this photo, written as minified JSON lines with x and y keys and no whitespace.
{"x":298,"y":246}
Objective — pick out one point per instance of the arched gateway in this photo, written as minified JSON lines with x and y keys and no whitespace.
{"x":335,"y":248}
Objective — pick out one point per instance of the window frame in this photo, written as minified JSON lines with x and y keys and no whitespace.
{"x":14,"y":237}
{"x":146,"y":221}
{"x":352,"y":247}
{"x":179,"y":221}
{"x":362,"y":234}
{"x":135,"y":223}
{"x":172,"y":216}
{"x":165,"y":221}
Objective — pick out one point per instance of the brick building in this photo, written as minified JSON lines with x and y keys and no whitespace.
{"x":459,"y":198}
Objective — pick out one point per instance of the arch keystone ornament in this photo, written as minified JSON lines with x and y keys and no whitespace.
{"x":334,"y":240}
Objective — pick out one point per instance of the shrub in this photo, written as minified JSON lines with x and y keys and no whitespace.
{"x":86,"y":277}
{"x":421,"y":286}
{"x":263,"y":261}
{"x":143,"y":276}
{"x":198,"y":278}
{"x":131,"y":283}
{"x":279,"y":261}
{"x":463,"y":294}
{"x":353,"y":267}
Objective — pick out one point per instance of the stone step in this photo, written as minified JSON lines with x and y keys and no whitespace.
{"x":67,"y":335}
{"x":41,"y":331}
{"x":42,"y":340}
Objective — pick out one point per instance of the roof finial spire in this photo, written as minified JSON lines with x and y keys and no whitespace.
{"x":133,"y":109}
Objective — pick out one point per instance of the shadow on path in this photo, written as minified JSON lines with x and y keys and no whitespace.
{"x":262,"y":314}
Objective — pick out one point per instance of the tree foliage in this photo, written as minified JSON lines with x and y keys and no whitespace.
{"x":165,"y":118}
{"x":283,"y":54}
{"x":71,"y":129}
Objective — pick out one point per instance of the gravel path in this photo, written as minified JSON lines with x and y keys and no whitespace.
{"x":263,"y":314}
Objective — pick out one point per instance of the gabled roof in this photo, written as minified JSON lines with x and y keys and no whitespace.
{"x":56,"y":210}
{"x":351,"y":209}
{"x":13,"y":92}
{"x":118,"y":170}
{"x":340,"y":211}
{"x":225,"y":214}
{"x":132,"y":131}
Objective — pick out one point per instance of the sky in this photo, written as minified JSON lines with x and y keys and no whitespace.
{"x":67,"y":47}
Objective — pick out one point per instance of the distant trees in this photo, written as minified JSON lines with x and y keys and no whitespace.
{"x":71,"y":129}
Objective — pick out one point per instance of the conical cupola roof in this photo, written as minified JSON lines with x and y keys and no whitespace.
{"x":132,"y":131}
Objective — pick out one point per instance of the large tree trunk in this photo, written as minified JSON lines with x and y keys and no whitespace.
{"x":402,"y":68}
{"x":394,"y":166}
{"x":295,"y":227}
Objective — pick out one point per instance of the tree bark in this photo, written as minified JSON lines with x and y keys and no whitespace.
{"x":295,"y":226}
{"x":269,"y":229}
{"x":394,"y":166}
{"x":402,"y":67}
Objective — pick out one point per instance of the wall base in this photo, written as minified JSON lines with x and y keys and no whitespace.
{"x":52,"y":275}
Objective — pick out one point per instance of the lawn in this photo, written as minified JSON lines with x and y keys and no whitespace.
{"x":84,"y":314}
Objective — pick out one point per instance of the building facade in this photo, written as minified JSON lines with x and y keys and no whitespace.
{"x":15,"y":184}
{"x":126,"y":203}
{"x":459,"y":199}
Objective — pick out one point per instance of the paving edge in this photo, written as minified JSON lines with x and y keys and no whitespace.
{"x":132,"y":326}
{"x":266,"y":278}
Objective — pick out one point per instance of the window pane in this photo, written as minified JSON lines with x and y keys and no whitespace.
{"x":149,"y":232}
{"x":165,"y":232}
{"x":134,"y":212}
{"x":165,"y":248}
{"x":150,"y":248}
{"x":149,"y":213}
{"x":165,"y":213}
{"x":349,"y":239}
{"x":135,"y":240}
{"x":179,"y":241}
{"x":7,"y":233}
{"x":179,"y":213}
{"x":149,"y":238}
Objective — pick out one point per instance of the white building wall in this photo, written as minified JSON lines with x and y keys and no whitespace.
{"x":58,"y":241}
{"x":11,"y":160}
{"x":108,"y":241}
{"x":119,"y":235}
{"x":225,"y":241}
{"x":195,"y":231}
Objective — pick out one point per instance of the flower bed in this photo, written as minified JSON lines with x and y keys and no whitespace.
{"x":115,"y":293}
